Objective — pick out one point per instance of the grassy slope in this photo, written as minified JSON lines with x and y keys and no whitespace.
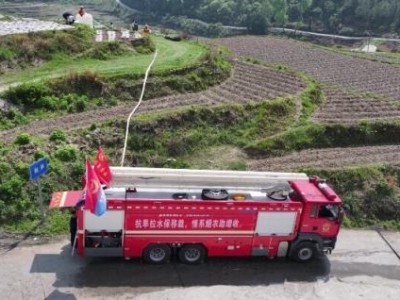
{"x":171,"y":59}
{"x":170,"y":55}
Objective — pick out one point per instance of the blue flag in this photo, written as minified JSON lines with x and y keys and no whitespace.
{"x":101,"y":205}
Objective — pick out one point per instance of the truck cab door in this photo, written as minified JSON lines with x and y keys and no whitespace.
{"x":325,"y":219}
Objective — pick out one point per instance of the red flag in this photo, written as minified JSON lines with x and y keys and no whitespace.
{"x":92,"y":188}
{"x":102,"y":168}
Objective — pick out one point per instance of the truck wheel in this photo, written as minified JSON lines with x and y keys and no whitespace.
{"x":192,"y":254}
{"x":157,"y":254}
{"x":304,"y":252}
{"x":215,"y":194}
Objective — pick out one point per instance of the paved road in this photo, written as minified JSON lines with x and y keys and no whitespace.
{"x":362,"y":267}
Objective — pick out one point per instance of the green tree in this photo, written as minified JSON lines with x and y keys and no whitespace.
{"x":257,"y":18}
{"x":279,"y":12}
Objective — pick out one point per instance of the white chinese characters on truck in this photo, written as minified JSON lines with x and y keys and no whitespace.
{"x":156,"y":213}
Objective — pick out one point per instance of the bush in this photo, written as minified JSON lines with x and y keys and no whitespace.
{"x":238,"y":165}
{"x":80,"y":105}
{"x":107,"y":50}
{"x":39,"y":154}
{"x":195,"y":27}
{"x":174,"y":37}
{"x":145,"y":46}
{"x":58,"y":135}
{"x":23,"y":138}
{"x":66,"y":154}
{"x":87,"y":83}
{"x":49,"y":103}
{"x":27,"y":94}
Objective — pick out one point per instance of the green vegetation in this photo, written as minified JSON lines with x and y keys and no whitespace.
{"x":171,"y":55}
{"x":175,"y":139}
{"x":87,"y":90}
{"x":156,"y":140}
{"x":324,"y":136}
{"x":66,"y":72}
{"x":371,"y":193}
{"x":24,"y":50}
{"x":183,"y":133}
{"x":347,"y":17}
{"x":311,"y":98}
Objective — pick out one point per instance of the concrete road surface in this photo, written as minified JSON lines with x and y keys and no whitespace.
{"x":363,"y":266}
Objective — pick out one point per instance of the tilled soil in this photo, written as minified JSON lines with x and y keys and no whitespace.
{"x":324,"y":65}
{"x":344,"y":107}
{"x":249,"y":83}
{"x":330,"y":158}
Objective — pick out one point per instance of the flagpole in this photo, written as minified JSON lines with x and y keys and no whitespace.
{"x":41,"y":200}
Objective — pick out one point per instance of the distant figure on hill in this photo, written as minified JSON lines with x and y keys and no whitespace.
{"x":81,"y":11}
{"x":69,"y":18}
{"x":134,"y":26}
{"x":147,"y":29}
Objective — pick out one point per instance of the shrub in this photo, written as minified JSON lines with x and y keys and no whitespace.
{"x":39,"y":154}
{"x":80,"y":105}
{"x":23,"y":138}
{"x":238,"y":165}
{"x":27,"y":94}
{"x":66,"y":154}
{"x":107,"y":50}
{"x":146,"y":46}
{"x":87,"y":83}
{"x":49,"y":103}
{"x":58,"y":135}
{"x":22,"y":169}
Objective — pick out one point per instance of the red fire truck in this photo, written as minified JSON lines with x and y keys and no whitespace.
{"x":157,"y":213}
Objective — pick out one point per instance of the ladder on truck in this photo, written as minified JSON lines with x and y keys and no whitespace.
{"x":132,"y":177}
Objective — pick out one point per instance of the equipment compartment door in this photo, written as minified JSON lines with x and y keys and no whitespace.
{"x":275,"y":223}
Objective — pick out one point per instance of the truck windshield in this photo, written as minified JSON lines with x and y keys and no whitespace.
{"x":328,"y":211}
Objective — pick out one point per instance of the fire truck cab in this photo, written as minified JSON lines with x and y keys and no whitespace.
{"x":193,"y":214}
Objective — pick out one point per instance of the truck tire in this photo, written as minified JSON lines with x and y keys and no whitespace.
{"x":192,"y":254}
{"x":304,"y":252}
{"x":157,"y":254}
{"x":215,"y":194}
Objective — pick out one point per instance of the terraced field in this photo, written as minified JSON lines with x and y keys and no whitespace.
{"x":347,"y":81}
{"x":346,"y":107}
{"x":330,"y":158}
{"x":356,"y":90}
{"x":324,"y":65}
{"x":248,"y":83}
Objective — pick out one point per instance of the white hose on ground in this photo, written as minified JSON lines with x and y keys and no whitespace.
{"x":136,"y":107}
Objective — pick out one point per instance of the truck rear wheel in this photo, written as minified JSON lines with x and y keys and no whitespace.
{"x":304,"y":252}
{"x":157,"y":254}
{"x":192,"y":254}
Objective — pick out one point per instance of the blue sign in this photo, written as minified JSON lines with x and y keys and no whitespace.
{"x":38,"y":168}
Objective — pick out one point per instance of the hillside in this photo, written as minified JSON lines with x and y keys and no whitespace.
{"x":306,"y":108}
{"x":346,"y":17}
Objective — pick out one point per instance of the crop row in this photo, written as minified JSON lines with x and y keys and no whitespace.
{"x":324,"y":65}
{"x":240,"y":88}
